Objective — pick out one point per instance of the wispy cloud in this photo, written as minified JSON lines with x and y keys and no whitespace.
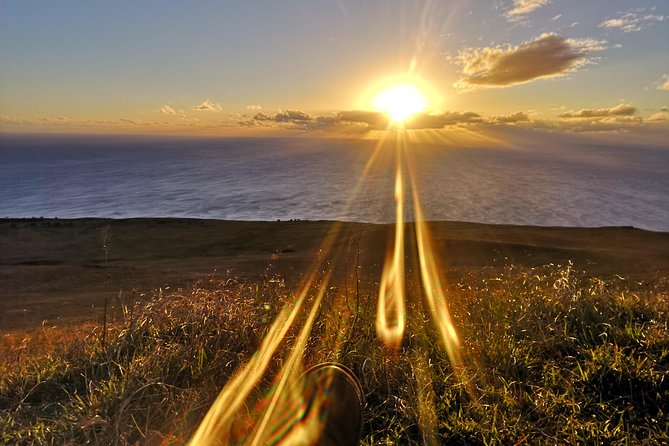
{"x":632,"y":21}
{"x":287,"y":119}
{"x":292,"y":116}
{"x":510,"y":118}
{"x":549,"y":55}
{"x":379,"y":120}
{"x":371,"y":118}
{"x":262,"y":117}
{"x":297,"y":119}
{"x":167,"y":110}
{"x":441,"y":120}
{"x":661,"y":116}
{"x":521,"y":8}
{"x":620,"y":116}
{"x":208,"y":106}
{"x":663,"y":83}
{"x":618,"y":110}
{"x":363,"y":119}
{"x":254,"y":107}
{"x":11,"y":120}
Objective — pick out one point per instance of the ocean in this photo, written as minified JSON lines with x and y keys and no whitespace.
{"x":545,"y":184}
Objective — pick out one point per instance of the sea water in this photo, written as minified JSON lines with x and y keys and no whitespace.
{"x":326,"y":179}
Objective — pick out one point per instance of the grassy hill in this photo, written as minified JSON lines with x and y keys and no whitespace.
{"x":564,"y":340}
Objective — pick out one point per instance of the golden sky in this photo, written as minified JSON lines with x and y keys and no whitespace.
{"x":264,"y":67}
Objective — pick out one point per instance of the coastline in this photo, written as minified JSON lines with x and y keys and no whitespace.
{"x":54,"y":271}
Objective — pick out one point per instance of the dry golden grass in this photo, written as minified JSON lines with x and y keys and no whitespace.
{"x":550,"y":357}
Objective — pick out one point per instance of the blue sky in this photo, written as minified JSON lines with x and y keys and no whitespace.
{"x":171,"y":65}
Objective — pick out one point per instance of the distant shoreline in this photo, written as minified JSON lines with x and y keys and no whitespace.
{"x":55,"y":270}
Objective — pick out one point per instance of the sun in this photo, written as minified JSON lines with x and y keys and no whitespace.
{"x":400,"y":101}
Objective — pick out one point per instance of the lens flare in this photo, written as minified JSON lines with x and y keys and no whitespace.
{"x":223,"y":423}
{"x":217,"y":424}
{"x":391,"y":312}
{"x":283,"y":391}
{"x":435,"y":293}
{"x":289,"y":415}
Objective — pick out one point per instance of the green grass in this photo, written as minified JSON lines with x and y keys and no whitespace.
{"x":550,"y":357}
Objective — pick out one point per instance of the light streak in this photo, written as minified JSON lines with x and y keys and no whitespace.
{"x":391,"y":311}
{"x":285,"y":417}
{"x":435,"y":293}
{"x":285,"y":393}
{"x":217,"y":424}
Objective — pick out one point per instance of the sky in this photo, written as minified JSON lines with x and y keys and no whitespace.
{"x":260,"y":66}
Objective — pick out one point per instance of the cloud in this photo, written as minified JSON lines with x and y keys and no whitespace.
{"x":380,"y":120}
{"x":129,"y":121}
{"x":361,"y":119}
{"x":254,"y":107}
{"x":208,"y":106}
{"x":258,"y":120}
{"x":4,"y":119}
{"x":522,"y":8}
{"x":618,"y":110}
{"x":663,"y":83}
{"x":632,"y":21}
{"x":661,"y":116}
{"x":261,"y":117}
{"x":166,"y":109}
{"x":618,"y":117}
{"x":549,"y":55}
{"x":296,"y":118}
{"x":371,"y":118}
{"x":306,"y":120}
{"x":440,"y":120}
{"x":510,"y":119}
{"x":609,"y":125}
{"x":292,"y":116}
{"x":622,"y":120}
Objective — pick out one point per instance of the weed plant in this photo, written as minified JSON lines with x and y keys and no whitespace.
{"x":549,"y":356}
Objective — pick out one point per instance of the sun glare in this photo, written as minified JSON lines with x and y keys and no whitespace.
{"x":400,"y":101}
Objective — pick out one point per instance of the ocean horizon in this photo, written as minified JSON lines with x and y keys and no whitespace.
{"x":273,"y":178}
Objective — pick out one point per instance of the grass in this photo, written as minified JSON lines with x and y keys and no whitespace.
{"x":550,"y":356}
